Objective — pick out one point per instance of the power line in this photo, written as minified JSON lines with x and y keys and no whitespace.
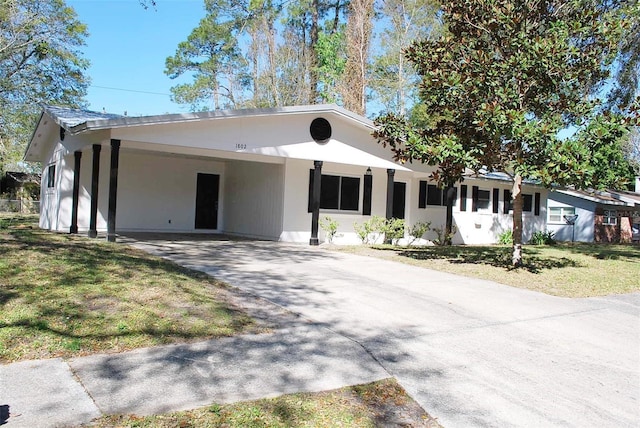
{"x":129,"y":90}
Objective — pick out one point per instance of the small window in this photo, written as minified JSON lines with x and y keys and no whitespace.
{"x":434,"y":195}
{"x":557,"y":214}
{"x":610,"y":217}
{"x":484,"y":199}
{"x":51,"y":176}
{"x":527,"y":202}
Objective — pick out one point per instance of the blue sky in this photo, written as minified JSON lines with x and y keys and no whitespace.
{"x":127,"y":47}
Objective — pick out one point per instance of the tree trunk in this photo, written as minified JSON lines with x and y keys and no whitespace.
{"x":313,"y":54}
{"x":516,"y":260}
{"x":254,"y":52}
{"x":273,"y":66}
{"x":359,"y":27}
{"x":450,"y":199}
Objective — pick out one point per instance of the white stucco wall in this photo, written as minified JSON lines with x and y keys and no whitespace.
{"x":50,"y":196}
{"x":485,"y":226}
{"x":57,"y":202}
{"x":297,"y":219}
{"x":480,"y":227}
{"x":158,"y":192}
{"x":254,"y":199}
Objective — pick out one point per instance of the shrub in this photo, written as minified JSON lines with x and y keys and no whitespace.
{"x":442,"y":238}
{"x":370,"y":230}
{"x":330,"y":227}
{"x":394,"y":230}
{"x":418,"y":230}
{"x":542,"y":238}
{"x":506,"y":237}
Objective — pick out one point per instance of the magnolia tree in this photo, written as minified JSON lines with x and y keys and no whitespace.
{"x":501,"y":83}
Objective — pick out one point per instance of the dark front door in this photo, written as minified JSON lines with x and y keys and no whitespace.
{"x":207,"y":201}
{"x":399,"y":194}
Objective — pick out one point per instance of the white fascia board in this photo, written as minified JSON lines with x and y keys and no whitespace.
{"x":27,"y":151}
{"x":505,"y":179}
{"x":595,"y":199}
{"x":219,"y":114}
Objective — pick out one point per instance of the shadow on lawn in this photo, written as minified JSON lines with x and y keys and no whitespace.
{"x":79,"y":289}
{"x":630,"y":253}
{"x":81,"y":259}
{"x":497,"y":256}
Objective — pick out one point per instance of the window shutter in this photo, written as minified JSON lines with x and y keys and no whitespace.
{"x":496,"y":200}
{"x":310,"y":203}
{"x":366,"y":195}
{"x":422,"y":197}
{"x":507,"y":201}
{"x":474,"y":198}
{"x":463,"y":197}
{"x":536,"y":208}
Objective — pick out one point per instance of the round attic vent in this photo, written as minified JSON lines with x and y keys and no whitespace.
{"x":320,"y":130}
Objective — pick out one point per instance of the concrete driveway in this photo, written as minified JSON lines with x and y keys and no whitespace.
{"x":471,"y":352}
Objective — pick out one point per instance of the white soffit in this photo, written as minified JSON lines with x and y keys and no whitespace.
{"x":332,"y":151}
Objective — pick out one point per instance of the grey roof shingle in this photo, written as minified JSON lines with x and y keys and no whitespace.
{"x":70,"y":117}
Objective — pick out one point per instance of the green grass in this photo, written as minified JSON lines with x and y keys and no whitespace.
{"x":65,"y":296}
{"x":378,"y":404}
{"x":568,"y":270}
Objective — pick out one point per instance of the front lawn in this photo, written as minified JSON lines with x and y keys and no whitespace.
{"x":64,"y":295}
{"x":569,"y":270}
{"x":378,"y":404}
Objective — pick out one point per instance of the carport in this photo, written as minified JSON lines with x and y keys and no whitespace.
{"x":245,"y":172}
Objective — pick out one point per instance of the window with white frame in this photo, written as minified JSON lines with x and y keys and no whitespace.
{"x":484,"y":199}
{"x":51,"y":176}
{"x":557,"y":214}
{"x":610,"y":217}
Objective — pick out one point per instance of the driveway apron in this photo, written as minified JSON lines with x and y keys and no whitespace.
{"x":471,"y":352}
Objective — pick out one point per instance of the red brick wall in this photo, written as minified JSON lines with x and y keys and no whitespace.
{"x":625,"y":229}
{"x":619,"y":233}
{"x":604,"y":232}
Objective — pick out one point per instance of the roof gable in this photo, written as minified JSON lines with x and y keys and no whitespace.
{"x":77,"y":121}
{"x":604,"y":197}
{"x":187,"y":127}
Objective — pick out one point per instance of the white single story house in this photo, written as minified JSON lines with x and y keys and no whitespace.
{"x":598,"y":216}
{"x":262,"y":173}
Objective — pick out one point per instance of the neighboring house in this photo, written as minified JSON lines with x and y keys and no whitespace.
{"x":20,"y":184}
{"x":602,"y":216}
{"x":249,"y":173}
{"x":19,"y":192}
